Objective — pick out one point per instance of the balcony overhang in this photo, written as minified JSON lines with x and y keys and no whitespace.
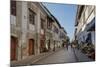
{"x":91,"y":25}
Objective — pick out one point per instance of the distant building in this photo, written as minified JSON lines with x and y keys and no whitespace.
{"x":85,"y":24}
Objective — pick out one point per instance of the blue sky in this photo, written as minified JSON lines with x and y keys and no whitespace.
{"x":65,"y":14}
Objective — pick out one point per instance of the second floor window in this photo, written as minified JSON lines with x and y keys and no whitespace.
{"x":56,"y":30}
{"x":13,"y":8}
{"x":31,"y":17}
{"x":49,"y":23}
{"x":42,"y":24}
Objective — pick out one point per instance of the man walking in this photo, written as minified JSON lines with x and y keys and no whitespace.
{"x":67,"y":46}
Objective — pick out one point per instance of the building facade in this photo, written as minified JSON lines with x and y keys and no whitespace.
{"x":63,"y":37}
{"x":85,"y":24}
{"x":34,"y":30}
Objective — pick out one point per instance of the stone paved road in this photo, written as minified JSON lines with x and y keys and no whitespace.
{"x":64,"y":56}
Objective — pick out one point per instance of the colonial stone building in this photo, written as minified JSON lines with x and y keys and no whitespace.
{"x":63,"y":36}
{"x":85,"y":24}
{"x":34,"y":30}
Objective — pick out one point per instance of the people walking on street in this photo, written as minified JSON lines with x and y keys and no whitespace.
{"x":67,"y":46}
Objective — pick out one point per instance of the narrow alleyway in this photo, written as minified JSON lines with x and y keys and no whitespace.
{"x":64,"y":56}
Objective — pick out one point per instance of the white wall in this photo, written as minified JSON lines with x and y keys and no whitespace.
{"x":13,"y":19}
{"x":90,"y":17}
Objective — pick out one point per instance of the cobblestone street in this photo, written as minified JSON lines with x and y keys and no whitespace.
{"x":64,"y":56}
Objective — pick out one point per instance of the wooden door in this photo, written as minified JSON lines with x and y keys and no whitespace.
{"x":13,"y":47}
{"x":42,"y":46}
{"x":31,"y":46}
